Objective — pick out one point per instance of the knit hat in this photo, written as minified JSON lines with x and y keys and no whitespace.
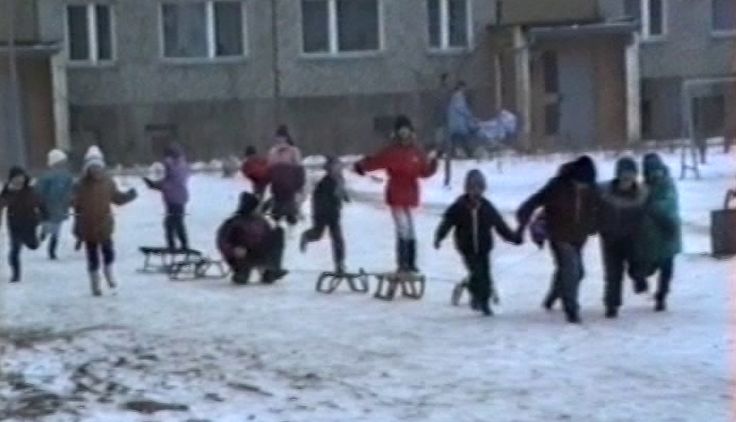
{"x":93,"y":158}
{"x":248,"y":203}
{"x":56,"y":156}
{"x":475,"y":180}
{"x":653,"y":162}
{"x":283,"y":132}
{"x":15,"y":172}
{"x":626,"y":165}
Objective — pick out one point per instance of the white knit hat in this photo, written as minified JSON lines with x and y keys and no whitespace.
{"x":56,"y":156}
{"x":93,"y":158}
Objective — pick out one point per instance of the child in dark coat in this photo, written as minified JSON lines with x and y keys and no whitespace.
{"x":24,"y":212}
{"x":473,"y":219}
{"x":327,"y":200}
{"x":247,"y":241}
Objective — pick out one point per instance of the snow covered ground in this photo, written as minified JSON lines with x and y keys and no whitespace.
{"x":209,"y":351}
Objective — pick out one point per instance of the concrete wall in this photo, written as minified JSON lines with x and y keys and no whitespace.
{"x":536,"y":12}
{"x":218,"y":107}
{"x":24,"y":20}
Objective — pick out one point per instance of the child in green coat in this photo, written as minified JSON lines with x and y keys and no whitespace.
{"x":660,"y":236}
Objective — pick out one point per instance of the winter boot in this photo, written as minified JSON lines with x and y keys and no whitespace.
{"x":411,"y":256}
{"x":340,"y":268}
{"x":402,"y":255}
{"x":611,"y":313}
{"x":660,"y":305}
{"x":109,"y":276}
{"x":94,"y":281}
{"x":14,"y":272}
{"x":53,"y":242}
{"x":241,"y":278}
{"x":485,"y":307}
{"x":272,"y":276}
{"x":640,"y":286}
{"x":573,"y":317}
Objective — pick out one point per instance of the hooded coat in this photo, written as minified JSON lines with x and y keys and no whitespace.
{"x":246,"y":229}
{"x":173,"y":186}
{"x":56,"y":188}
{"x":660,"y":236}
{"x":94,"y":196}
{"x":569,"y":201}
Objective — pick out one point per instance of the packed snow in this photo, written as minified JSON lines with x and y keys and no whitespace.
{"x":209,"y":351}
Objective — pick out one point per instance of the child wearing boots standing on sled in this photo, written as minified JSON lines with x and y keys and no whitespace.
{"x":24,"y":211}
{"x":473,"y":219}
{"x":405,"y":162}
{"x":94,"y":224}
{"x":327,"y":200}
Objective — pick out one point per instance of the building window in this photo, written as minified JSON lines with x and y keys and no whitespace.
{"x":89,"y":33}
{"x":449,"y":24}
{"x":205,"y":30}
{"x":340,"y":26}
{"x":652,"y":14}
{"x":724,"y":16}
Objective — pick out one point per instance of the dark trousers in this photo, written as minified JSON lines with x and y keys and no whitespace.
{"x":481,"y":282}
{"x":267,"y":257}
{"x":95,"y":250}
{"x":617,"y":261}
{"x":569,"y":273}
{"x":338,"y":243}
{"x":174,"y":227}
{"x":18,"y":239}
{"x":285,"y":207}
{"x":666,"y":270}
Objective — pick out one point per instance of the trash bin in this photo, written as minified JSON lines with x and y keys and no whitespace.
{"x":723,"y":229}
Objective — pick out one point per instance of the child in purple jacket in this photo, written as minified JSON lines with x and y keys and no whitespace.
{"x":175,"y":194}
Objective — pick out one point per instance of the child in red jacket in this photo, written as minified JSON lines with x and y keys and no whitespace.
{"x":255,"y":169}
{"x":405,"y":162}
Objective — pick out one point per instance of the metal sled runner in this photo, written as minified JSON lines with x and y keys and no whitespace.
{"x":328,"y":282}
{"x":411,"y":285}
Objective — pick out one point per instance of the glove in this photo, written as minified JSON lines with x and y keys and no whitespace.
{"x":132,"y":194}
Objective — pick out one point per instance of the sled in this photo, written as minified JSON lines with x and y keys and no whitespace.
{"x":412,"y":285}
{"x":329,"y":281}
{"x":198,"y":269}
{"x":160,"y":260}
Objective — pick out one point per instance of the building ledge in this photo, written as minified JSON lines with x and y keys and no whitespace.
{"x":29,"y":49}
{"x":583,"y":30}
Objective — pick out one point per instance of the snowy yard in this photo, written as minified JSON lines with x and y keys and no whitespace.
{"x":214,"y":352}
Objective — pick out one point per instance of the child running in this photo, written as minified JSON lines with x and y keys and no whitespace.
{"x":55,"y":187}
{"x":94,"y":224}
{"x":327,"y":200}
{"x":24,"y":211}
{"x":473,"y":218}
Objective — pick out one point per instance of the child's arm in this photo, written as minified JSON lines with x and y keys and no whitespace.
{"x":503,"y":229}
{"x":372,"y":163}
{"x":449,"y":221}
{"x":121,"y":198}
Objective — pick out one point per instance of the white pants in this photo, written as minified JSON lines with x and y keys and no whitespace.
{"x":404,"y":223}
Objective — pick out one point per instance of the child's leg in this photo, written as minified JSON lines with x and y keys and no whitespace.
{"x":14,"y":258}
{"x":313,"y":234}
{"x":180,"y":228}
{"x":169,"y":227}
{"x":338,"y":245}
{"x":53,"y":230}
{"x":404,"y":235}
{"x":666,"y":271}
{"x":108,"y":258}
{"x":93,"y":266}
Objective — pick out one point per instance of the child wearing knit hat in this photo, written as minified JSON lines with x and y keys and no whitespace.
{"x":55,"y":188}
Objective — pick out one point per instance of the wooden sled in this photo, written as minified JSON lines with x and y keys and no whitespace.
{"x":412,"y":285}
{"x":330,"y":281}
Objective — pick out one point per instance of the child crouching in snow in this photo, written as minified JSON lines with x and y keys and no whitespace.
{"x":327,"y":199}
{"x":247,"y":241}
{"x":473,"y":218}
{"x":94,"y":224}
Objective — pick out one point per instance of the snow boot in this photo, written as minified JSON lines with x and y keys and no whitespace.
{"x":14,"y":272}
{"x":340,"y":268}
{"x":573,"y":317}
{"x":241,"y":278}
{"x":109,"y":276}
{"x":485,"y":307}
{"x":640,"y":286}
{"x":94,"y":281}
{"x":272,"y":276}
{"x":401,"y":256}
{"x":611,"y":313}
{"x":660,"y":305}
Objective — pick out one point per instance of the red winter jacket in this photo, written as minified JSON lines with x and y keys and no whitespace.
{"x":255,"y":169}
{"x":405,"y":164}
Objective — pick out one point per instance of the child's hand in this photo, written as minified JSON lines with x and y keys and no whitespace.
{"x":239,"y":253}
